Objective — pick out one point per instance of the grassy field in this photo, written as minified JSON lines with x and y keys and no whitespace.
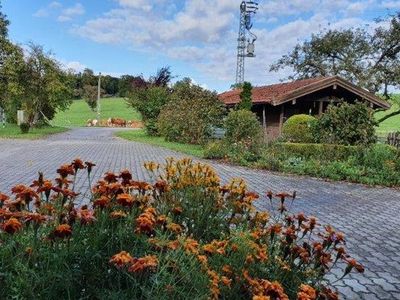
{"x":79,"y":112}
{"x":391,"y":124}
{"x":12,"y":131}
{"x":140,"y":136}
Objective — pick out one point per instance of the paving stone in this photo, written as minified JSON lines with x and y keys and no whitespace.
{"x":369,"y":217}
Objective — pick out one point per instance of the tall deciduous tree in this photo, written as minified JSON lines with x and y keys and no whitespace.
{"x":370,"y":59}
{"x":47,"y":86}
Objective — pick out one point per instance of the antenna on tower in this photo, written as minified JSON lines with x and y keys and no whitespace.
{"x":246,"y":38}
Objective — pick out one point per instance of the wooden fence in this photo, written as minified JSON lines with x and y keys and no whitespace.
{"x":393,"y":139}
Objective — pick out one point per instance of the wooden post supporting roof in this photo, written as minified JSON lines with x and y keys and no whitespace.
{"x":281,"y":118}
{"x":264,"y":119}
{"x":320,"y":108}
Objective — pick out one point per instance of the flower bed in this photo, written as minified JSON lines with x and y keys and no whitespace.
{"x":181,"y":235}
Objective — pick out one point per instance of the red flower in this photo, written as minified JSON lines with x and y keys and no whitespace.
{"x":12,"y":225}
{"x":77,"y":164}
{"x":63,"y":231}
{"x":65,"y":170}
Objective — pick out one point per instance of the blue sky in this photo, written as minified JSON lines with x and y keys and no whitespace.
{"x":197,"y":38}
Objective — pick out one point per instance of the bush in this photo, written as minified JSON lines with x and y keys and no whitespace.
{"x":216,"y":150}
{"x":149,"y":103}
{"x":24,"y":127}
{"x":299,"y":129}
{"x":191,"y":114}
{"x":243,"y":130}
{"x":181,"y":236}
{"x":347,"y":124}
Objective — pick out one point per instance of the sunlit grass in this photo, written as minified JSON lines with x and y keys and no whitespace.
{"x":79,"y":112}
{"x":13,"y":131}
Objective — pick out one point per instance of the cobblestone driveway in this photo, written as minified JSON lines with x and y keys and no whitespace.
{"x":370,"y":217}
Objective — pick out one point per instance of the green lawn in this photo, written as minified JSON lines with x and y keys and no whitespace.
{"x":392,"y":124}
{"x":12,"y":131}
{"x":141,"y":136}
{"x":79,"y":112}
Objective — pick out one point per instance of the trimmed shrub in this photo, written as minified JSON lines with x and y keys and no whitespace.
{"x":190,"y":114}
{"x":347,"y":124}
{"x":246,"y":96}
{"x":243,"y":130}
{"x":299,"y":129}
{"x":24,"y":127}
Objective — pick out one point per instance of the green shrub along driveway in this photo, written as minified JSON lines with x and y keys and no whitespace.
{"x":367,"y":216}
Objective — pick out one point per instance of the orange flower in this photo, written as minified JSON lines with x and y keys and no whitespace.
{"x":149,"y":262}
{"x":102,"y":202}
{"x":226,"y":281}
{"x":65,"y":170}
{"x":146,"y":221}
{"x":126,"y":176}
{"x":63,"y":231}
{"x":352,"y":263}
{"x":175,"y":228}
{"x":12,"y":225}
{"x":173,"y":245}
{"x":227,"y":269}
{"x":89,"y":166}
{"x":125,"y":200}
{"x":119,"y":214}
{"x":86,"y":216}
{"x":35,"y":217}
{"x":110,"y":177}
{"x":121,"y":259}
{"x":177,"y":210}
{"x":3,"y":197}
{"x":77,"y":164}
{"x":306,"y":292}
{"x":191,"y":246}
{"x":202,"y":259}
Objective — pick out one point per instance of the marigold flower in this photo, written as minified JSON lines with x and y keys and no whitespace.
{"x":226,"y":281}
{"x":89,"y":166}
{"x":191,"y":246}
{"x":110,"y":177}
{"x":125,"y":200}
{"x":86,"y":216}
{"x":102,"y":202}
{"x":77,"y":164}
{"x":202,"y":259}
{"x":306,"y":292}
{"x":145,"y":222}
{"x":227,"y":269}
{"x":177,"y":210}
{"x":65,"y":170}
{"x":63,"y":231}
{"x":3,"y":197}
{"x":35,"y":218}
{"x":121,"y":259}
{"x":11,"y":226}
{"x":352,"y":263}
{"x":126,"y":176}
{"x":149,"y":262}
{"x":119,"y":214}
{"x":173,"y":245}
{"x":175,"y":228}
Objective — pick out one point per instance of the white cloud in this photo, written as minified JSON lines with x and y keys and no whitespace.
{"x":137,"y":4}
{"x":46,"y":11}
{"x":75,"y":66}
{"x":204,"y":32}
{"x":69,"y":13}
{"x":391,"y":4}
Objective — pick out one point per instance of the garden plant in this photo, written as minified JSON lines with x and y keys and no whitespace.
{"x":182,"y":234}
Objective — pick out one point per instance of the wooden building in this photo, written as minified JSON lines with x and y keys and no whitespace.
{"x":274,"y":104}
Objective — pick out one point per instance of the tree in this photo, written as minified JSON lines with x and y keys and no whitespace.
{"x":347,"y":124}
{"x":368,"y":59}
{"x":90,"y":94}
{"x":47,"y":87}
{"x":4,"y":22}
{"x":246,"y":96}
{"x":190,"y":114}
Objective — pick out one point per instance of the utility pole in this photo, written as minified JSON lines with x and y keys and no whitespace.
{"x":98,"y":98}
{"x":247,"y":10}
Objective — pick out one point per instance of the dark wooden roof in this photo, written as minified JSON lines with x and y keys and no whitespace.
{"x":278,"y":94}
